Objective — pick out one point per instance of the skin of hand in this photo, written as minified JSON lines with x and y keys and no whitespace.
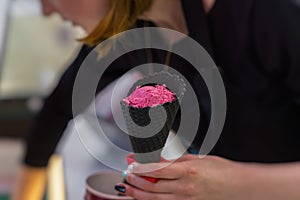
{"x":187,"y":178}
{"x":30,"y":184}
{"x":213,"y":178}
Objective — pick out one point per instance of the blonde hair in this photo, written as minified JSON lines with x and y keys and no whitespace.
{"x":121,"y":16}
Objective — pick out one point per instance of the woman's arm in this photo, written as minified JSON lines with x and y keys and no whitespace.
{"x":30,"y":184}
{"x":50,"y":123}
{"x":270,"y":181}
{"x":214,"y":178}
{"x":46,"y":132}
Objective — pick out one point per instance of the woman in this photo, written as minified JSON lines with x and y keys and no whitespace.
{"x":257,"y":49}
{"x":259,"y":63}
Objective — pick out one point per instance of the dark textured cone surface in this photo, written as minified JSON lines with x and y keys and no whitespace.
{"x":150,"y":147}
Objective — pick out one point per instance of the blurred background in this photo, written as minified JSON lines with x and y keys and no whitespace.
{"x":34,"y":52}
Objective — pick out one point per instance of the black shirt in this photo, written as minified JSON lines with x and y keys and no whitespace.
{"x":256,"y":44}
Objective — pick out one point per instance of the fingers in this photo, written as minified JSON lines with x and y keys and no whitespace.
{"x":171,"y":178}
{"x":158,"y":170}
{"x":162,"y":186}
{"x":139,"y":194}
{"x":165,"y":170}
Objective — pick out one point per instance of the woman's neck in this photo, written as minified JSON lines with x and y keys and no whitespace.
{"x":208,"y":5}
{"x":167,"y":14}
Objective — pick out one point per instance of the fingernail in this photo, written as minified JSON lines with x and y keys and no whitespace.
{"x":120,"y":188}
{"x":130,"y":168}
{"x":124,"y":174}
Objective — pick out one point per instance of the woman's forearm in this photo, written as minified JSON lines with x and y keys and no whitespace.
{"x":269,"y":181}
{"x":30,"y":184}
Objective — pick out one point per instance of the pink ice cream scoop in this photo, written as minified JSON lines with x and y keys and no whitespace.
{"x":148,"y":143}
{"x":149,"y":96}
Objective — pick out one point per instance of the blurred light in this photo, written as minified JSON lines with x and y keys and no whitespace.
{"x":21,"y":8}
{"x":35,"y":104}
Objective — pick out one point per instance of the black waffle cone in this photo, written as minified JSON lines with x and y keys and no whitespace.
{"x":148,"y":148}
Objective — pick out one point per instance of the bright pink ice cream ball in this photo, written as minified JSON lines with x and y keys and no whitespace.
{"x":149,"y":96}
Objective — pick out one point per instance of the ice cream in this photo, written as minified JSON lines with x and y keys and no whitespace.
{"x":149,"y":96}
{"x":147,"y":141}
